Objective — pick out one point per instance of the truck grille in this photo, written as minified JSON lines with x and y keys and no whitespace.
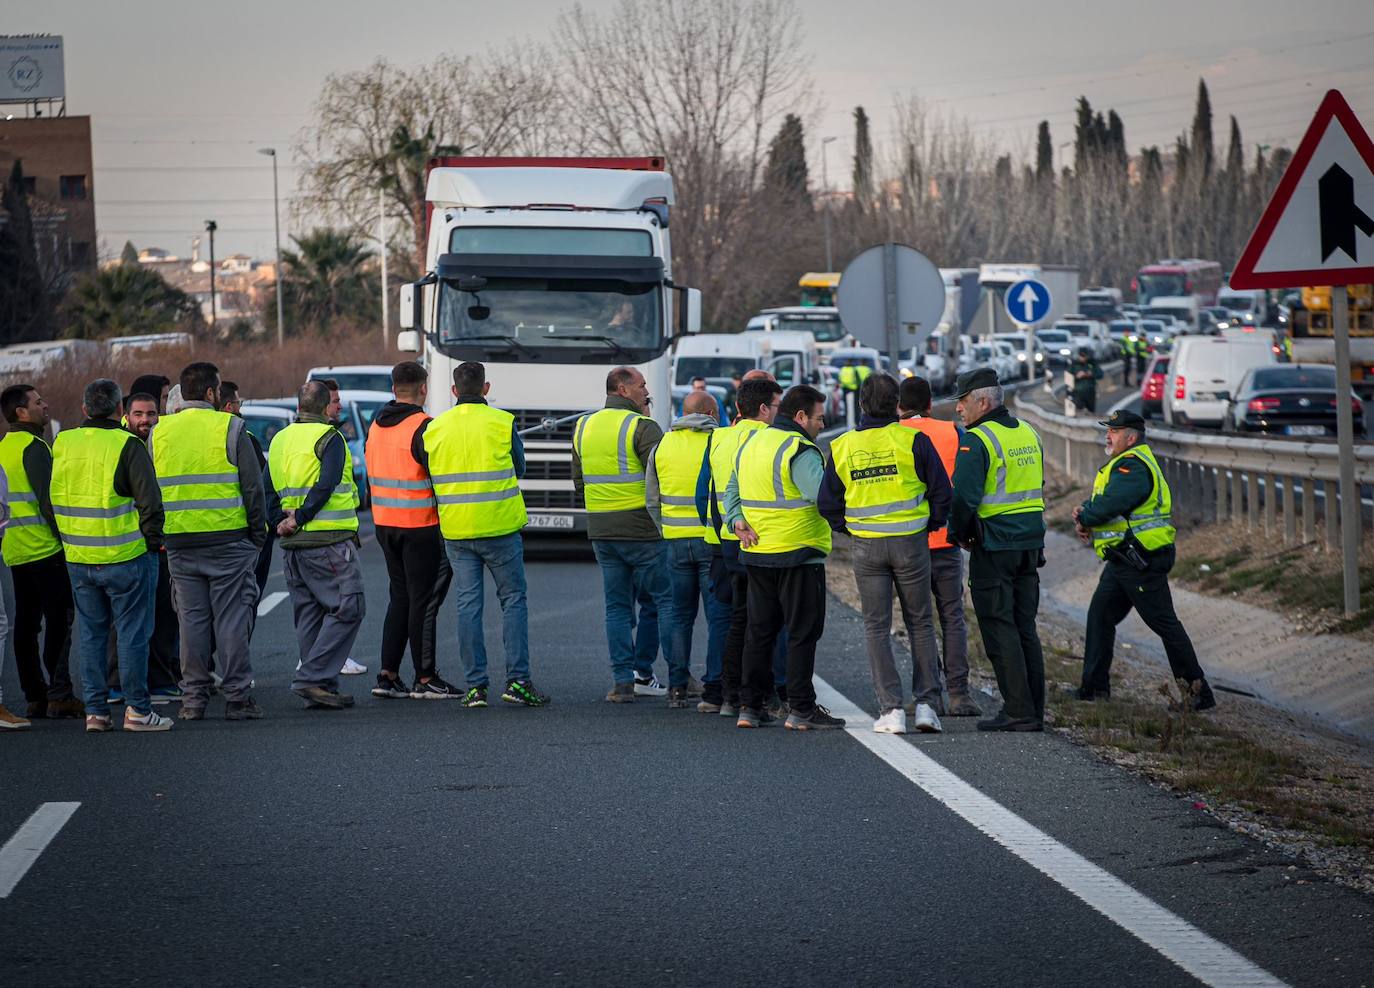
{"x":548,"y":469}
{"x":565,"y":500}
{"x":529,"y":418}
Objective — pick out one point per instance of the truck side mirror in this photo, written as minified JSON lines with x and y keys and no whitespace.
{"x":406,"y":311}
{"x":693,"y":310}
{"x":408,"y":341}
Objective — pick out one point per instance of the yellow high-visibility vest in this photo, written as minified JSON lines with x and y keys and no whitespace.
{"x":725,"y":444}
{"x":470,"y":463}
{"x":677,"y":463}
{"x":200,"y":487}
{"x":1150,"y":521}
{"x":883,"y":496}
{"x":772,"y":502}
{"x":612,"y":472}
{"x":98,"y":526}
{"x":1016,"y":476}
{"x":295,"y":469}
{"x":28,"y":537}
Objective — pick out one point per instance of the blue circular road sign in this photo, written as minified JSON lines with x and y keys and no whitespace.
{"x":1027,"y":301}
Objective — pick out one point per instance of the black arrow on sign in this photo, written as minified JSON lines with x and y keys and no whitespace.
{"x":1340,"y":217}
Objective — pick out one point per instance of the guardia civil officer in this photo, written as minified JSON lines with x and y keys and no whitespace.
{"x":1127,"y":522}
{"x":998,"y":514}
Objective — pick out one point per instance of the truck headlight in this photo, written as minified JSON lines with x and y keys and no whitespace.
{"x":1021,"y":357}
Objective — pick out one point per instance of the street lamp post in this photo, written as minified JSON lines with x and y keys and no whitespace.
{"x":825,"y":200}
{"x":210,"y":227}
{"x":276,"y":226}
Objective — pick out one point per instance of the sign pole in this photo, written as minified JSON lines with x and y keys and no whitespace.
{"x":1345,"y":442}
{"x":890,"y":304}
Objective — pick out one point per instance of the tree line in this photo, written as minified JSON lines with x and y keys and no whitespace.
{"x":721,"y":89}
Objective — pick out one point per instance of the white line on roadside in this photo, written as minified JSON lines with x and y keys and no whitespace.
{"x":1205,"y":958}
{"x":28,"y":842}
{"x":270,"y":601}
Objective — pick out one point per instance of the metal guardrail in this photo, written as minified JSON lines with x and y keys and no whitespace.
{"x":1247,"y":482}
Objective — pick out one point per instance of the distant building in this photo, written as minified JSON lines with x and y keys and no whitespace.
{"x":55,"y":153}
{"x":243,"y":286}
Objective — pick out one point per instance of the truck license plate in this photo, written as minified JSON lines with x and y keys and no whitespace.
{"x":561,"y":522}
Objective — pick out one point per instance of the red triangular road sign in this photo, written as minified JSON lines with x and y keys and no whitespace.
{"x":1318,"y":228}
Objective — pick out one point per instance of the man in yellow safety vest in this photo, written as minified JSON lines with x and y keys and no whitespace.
{"x":1128,"y":523}
{"x":312,"y":501}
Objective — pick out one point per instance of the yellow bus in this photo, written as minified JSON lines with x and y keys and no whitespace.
{"x":819,"y":287}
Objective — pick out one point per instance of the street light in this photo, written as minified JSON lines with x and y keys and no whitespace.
{"x":210,"y":227}
{"x":276,"y":226}
{"x":825,"y":198}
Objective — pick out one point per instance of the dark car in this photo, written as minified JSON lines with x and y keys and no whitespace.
{"x":1152,"y":385}
{"x":1290,"y":400}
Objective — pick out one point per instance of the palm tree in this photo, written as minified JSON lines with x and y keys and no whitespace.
{"x":326,"y":280}
{"x":125,"y":299}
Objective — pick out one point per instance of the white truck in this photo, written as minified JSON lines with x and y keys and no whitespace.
{"x":993,"y":282}
{"x":822,"y":322}
{"x":551,"y":272}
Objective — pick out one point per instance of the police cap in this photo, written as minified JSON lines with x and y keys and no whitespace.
{"x":1122,"y":419}
{"x":982,"y":377}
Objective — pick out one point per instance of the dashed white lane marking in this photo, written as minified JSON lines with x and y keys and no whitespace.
{"x":270,"y":601}
{"x":1200,"y":955}
{"x":28,"y":842}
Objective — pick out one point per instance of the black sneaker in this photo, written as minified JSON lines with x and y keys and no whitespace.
{"x":435,"y":689}
{"x":816,"y":719}
{"x":391,"y":689}
{"x":1089,"y":694}
{"x":242,"y":710}
{"x":1204,"y":699}
{"x":749,"y":718}
{"x":677,"y":697}
{"x":476,"y":696}
{"x":778,"y":708}
{"x":522,"y":691}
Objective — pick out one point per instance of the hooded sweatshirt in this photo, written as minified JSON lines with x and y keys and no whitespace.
{"x":693,"y":422}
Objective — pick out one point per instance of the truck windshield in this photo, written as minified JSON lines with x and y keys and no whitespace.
{"x":825,"y":330}
{"x":1158,"y":285}
{"x":537,"y":312}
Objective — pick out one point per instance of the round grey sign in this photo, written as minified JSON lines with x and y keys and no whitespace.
{"x":920,"y":297}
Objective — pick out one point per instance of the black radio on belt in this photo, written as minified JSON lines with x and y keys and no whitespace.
{"x":1130,"y":552}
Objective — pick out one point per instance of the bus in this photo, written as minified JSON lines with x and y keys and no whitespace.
{"x":1178,"y":278}
{"x":819,"y":288}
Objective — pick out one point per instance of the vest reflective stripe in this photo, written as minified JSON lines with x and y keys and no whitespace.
{"x":1151,"y":520}
{"x":471,"y":465}
{"x":677,"y":464}
{"x":295,"y":469}
{"x":612,"y":473}
{"x":98,"y":526}
{"x":1012,"y":487}
{"x":28,"y":538}
{"x":725,"y":444}
{"x":200,"y":487}
{"x":402,"y":493}
{"x":883,"y":496}
{"x":773,"y":504}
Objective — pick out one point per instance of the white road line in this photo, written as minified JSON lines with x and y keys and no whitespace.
{"x":1202,"y":956}
{"x":28,"y":842}
{"x":270,"y":601}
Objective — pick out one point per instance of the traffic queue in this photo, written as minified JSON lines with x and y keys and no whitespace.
{"x":150,"y":524}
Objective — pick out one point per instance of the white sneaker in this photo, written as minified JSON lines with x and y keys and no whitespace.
{"x":151,"y":721}
{"x":650,"y":687}
{"x":351,"y":668}
{"x":892,"y":722}
{"x":926,"y":720}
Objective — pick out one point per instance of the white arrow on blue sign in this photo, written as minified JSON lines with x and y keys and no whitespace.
{"x":1027,"y":301}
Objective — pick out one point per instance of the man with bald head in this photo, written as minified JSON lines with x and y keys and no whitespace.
{"x":671,"y":482}
{"x":611,"y":449}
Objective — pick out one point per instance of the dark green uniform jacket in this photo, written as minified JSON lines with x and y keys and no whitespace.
{"x":1015,"y":531}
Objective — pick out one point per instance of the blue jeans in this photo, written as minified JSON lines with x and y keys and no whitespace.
{"x":117,"y":597}
{"x":647,"y":635}
{"x":629,"y":569}
{"x":504,"y":555}
{"x":691,"y":576}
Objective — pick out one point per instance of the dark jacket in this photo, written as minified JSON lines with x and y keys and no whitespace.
{"x":135,"y":478}
{"x":330,"y":449}
{"x":1025,"y":530}
{"x":1092,"y":374}
{"x":239,"y":448}
{"x":38,"y":466}
{"x":395,"y":412}
{"x":1128,"y":487}
{"x":928,"y":468}
{"x":633,"y":524}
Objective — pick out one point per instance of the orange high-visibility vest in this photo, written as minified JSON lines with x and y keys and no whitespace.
{"x":945,"y":437}
{"x":402,"y":495}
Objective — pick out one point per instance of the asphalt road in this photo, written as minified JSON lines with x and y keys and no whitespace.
{"x":410,"y":842}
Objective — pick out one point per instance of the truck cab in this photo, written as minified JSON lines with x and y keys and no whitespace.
{"x":550,"y":272}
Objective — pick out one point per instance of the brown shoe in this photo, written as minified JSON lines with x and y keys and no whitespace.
{"x":12,"y":722}
{"x":66,"y":709}
{"x":962,"y":705}
{"x":38,"y":709}
{"x":621,"y":693}
{"x":98,"y":723}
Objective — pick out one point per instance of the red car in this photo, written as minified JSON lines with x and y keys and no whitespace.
{"x":1152,"y":385}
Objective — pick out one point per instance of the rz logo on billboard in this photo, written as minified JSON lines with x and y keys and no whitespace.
{"x":25,"y":74}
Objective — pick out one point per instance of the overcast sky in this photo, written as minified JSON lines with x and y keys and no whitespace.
{"x":182,"y":94}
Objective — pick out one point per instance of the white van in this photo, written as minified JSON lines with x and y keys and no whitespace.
{"x":1203,"y":374}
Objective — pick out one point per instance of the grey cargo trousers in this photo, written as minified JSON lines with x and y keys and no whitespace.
{"x":216,"y":595}
{"x":326,"y":585}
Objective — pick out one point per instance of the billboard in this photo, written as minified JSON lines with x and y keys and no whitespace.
{"x":31,"y":67}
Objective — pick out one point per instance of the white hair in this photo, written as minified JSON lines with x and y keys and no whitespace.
{"x":992,"y":395}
